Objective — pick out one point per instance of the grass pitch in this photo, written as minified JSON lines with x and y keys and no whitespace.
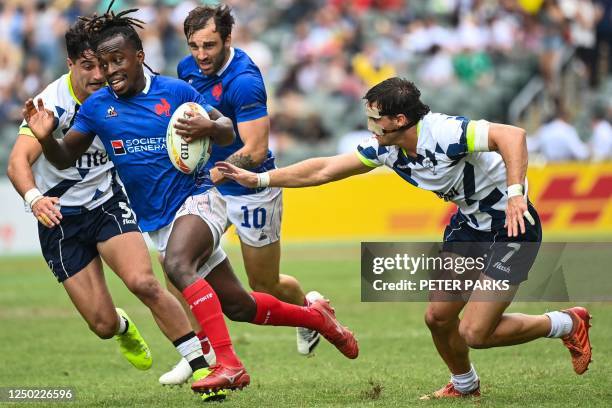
{"x":45,"y":343}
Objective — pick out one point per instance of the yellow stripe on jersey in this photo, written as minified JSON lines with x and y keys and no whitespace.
{"x":471,"y":136}
{"x":74,"y":97}
{"x":365,"y":160}
{"x":24,"y":130}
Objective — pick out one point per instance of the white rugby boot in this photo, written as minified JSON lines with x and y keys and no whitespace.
{"x":181,"y":372}
{"x":308,"y":339}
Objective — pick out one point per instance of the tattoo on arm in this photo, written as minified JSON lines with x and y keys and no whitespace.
{"x":244,"y":161}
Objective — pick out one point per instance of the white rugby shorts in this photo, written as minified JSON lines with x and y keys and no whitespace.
{"x":210,"y":207}
{"x":257,"y":217}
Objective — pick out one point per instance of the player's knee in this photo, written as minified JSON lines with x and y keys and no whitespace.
{"x":179,"y":270}
{"x":475,"y":337}
{"x":146,"y":288}
{"x":240,"y":309}
{"x":104,"y":328}
{"x":436,"y":320}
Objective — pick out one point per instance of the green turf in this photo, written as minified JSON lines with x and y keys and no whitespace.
{"x":45,"y":343}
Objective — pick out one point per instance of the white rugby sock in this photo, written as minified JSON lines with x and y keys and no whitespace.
{"x":123,"y":325}
{"x":465,"y":383}
{"x":560,"y":324}
{"x":190,"y":348}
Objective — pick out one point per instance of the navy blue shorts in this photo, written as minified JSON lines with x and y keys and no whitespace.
{"x":505,"y":258}
{"x":71,"y":246}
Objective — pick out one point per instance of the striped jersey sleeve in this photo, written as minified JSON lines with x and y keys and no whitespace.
{"x":456,"y":136}
{"x":370,"y":153}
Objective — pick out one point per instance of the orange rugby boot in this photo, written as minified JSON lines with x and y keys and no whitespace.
{"x":578,"y":342}
{"x":449,"y":391}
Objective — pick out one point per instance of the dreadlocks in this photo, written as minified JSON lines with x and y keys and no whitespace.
{"x":108,"y":25}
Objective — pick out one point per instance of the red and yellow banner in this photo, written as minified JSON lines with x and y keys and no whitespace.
{"x":573,"y":200}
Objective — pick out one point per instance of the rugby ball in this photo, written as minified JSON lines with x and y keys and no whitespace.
{"x":186,"y":157}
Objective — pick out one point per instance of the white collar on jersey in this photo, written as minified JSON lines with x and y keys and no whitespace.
{"x":147,"y":83}
{"x":229,"y":61}
{"x":144,"y":91}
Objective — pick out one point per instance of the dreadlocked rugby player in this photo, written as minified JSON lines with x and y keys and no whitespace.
{"x":85,"y":217}
{"x":232,"y":83}
{"x":179,"y":212}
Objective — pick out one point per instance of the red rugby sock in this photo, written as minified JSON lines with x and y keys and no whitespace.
{"x":273,"y":312}
{"x":206,"y":308}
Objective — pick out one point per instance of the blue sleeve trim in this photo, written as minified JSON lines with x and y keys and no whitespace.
{"x":257,"y":113}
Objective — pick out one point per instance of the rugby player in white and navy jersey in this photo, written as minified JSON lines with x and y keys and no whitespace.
{"x":85,"y":217}
{"x":481,"y":167}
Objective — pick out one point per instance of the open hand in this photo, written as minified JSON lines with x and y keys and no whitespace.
{"x":516,"y":210}
{"x":41,"y":121}
{"x":241,"y":176}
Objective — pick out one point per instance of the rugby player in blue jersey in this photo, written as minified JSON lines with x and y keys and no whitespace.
{"x":481,"y":167}
{"x":232,"y":83}
{"x":180,"y":214}
{"x":85,"y":217}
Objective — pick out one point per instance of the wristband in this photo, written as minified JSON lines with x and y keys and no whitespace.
{"x":515,"y":190}
{"x":32,"y":196}
{"x":263,"y":179}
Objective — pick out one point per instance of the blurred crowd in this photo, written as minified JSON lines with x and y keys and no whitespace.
{"x":318,"y":57}
{"x":558,"y":140}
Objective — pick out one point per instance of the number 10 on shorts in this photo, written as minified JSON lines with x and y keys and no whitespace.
{"x":256,"y":218}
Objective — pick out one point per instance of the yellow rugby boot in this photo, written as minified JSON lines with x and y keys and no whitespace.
{"x":133,"y":346}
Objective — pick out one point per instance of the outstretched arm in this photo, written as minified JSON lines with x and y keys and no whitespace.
{"x":310,"y":172}
{"x":61,"y":153}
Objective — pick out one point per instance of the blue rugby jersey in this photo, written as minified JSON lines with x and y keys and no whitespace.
{"x":238,"y":92}
{"x":133,"y":131}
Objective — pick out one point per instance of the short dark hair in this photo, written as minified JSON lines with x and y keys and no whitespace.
{"x":77,"y":41}
{"x":199,"y":16}
{"x":397,"y":95}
